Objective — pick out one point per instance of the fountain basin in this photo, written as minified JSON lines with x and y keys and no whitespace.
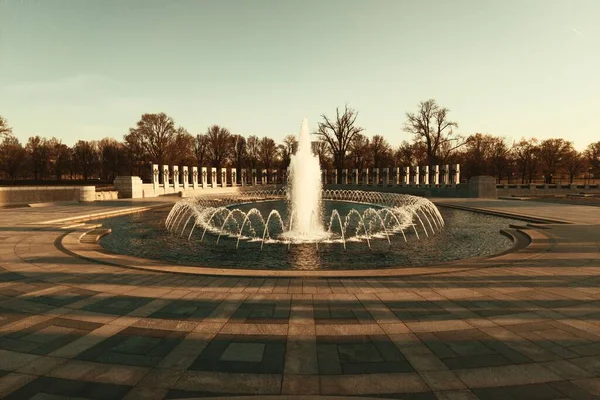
{"x":465,"y":235}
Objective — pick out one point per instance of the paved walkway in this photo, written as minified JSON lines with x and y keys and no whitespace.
{"x":527,"y":327}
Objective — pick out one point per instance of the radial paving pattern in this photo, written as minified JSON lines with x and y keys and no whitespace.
{"x":524,"y":326}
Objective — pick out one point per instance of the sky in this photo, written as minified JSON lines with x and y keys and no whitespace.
{"x":84,"y":70}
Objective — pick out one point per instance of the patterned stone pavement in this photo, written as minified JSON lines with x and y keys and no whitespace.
{"x":525,"y":325}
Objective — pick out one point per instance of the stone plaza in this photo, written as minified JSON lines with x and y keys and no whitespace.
{"x":77,"y":322}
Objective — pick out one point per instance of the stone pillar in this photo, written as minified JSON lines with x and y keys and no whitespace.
{"x":445,"y":175}
{"x":232,"y":175}
{"x":129,"y":187}
{"x":385,"y":175}
{"x":204,"y":177}
{"x":375,"y":177}
{"x":244,"y":176}
{"x":186,"y":177}
{"x":195,"y":177}
{"x":175,"y":170}
{"x":455,"y":174}
{"x":274,"y":176}
{"x":414,"y":172}
{"x":397,"y":177}
{"x":254,"y":177}
{"x":344,"y":177}
{"x":405,"y":176}
{"x":165,"y":171}
{"x":213,"y":177}
{"x":263,"y":177}
{"x":88,"y":193}
{"x":435,"y":174}
{"x":155,"y":177}
{"x":223,"y":177}
{"x":355,"y":176}
{"x":425,"y":175}
{"x":483,"y":187}
{"x":365,"y":176}
{"x":334,"y":177}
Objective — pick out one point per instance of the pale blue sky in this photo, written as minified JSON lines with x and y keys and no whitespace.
{"x":85,"y":69}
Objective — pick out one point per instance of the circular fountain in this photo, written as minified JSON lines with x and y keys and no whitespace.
{"x":304,"y":212}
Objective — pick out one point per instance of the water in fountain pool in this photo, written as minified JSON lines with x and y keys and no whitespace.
{"x":465,"y":235}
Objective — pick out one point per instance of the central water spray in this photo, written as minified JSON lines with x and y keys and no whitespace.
{"x":305,"y":190}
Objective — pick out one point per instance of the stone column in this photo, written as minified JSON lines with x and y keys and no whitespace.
{"x":204,"y":177}
{"x":355,"y":176}
{"x":334,"y":177}
{"x":155,"y":177}
{"x":436,"y":175}
{"x":244,"y":172}
{"x":385,"y":176}
{"x":425,"y":175}
{"x":223,"y":177}
{"x":213,"y":177}
{"x":375,"y":177}
{"x":397,"y":177}
{"x":263,"y":177}
{"x":344,"y":177}
{"x":165,"y":171}
{"x":232,"y":175}
{"x":405,"y":178}
{"x":455,"y":174}
{"x":274,"y":176}
{"x":365,"y":176}
{"x":414,"y":172}
{"x":186,"y":177}
{"x":195,"y":177}
{"x":129,"y":187}
{"x":254,"y":177}
{"x":446,"y":174}
{"x":175,"y":178}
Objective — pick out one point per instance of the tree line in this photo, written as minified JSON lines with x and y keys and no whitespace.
{"x":340,"y":143}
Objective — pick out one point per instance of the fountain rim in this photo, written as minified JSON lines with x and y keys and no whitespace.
{"x":95,"y":252}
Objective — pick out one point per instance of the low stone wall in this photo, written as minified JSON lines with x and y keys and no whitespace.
{"x":540,"y":190}
{"x":15,"y":195}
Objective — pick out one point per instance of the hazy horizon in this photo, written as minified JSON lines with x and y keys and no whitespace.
{"x":88,"y":70}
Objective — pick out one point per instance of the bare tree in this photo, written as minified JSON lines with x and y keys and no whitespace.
{"x":85,"y":158}
{"x":183,"y":148}
{"x":410,"y":154}
{"x":39,"y":157}
{"x":60,"y":157}
{"x":431,"y":126}
{"x":574,"y":163}
{"x":526,"y":154}
{"x":359,"y":153}
{"x":381,"y":151}
{"x":253,"y":150}
{"x":552,"y":153}
{"x":218,"y":145}
{"x":201,"y":149}
{"x":12,"y":157}
{"x":238,"y":153}
{"x":268,"y":152}
{"x":5,"y":130}
{"x":592,"y":153}
{"x":287,"y":148}
{"x":155,"y":133}
{"x":338,"y":134}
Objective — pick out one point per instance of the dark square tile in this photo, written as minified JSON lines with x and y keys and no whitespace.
{"x":359,"y":355}
{"x":194,"y":310}
{"x":134,"y":346}
{"x":69,"y":388}
{"x":243,"y":354}
{"x":119,"y":305}
{"x":541,"y":391}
